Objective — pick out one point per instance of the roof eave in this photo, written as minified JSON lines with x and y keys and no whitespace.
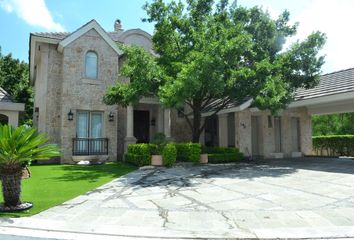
{"x":84,"y":29}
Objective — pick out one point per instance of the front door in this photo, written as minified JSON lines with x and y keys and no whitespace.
{"x":142,"y":126}
{"x":295,"y":134}
{"x":211,"y":137}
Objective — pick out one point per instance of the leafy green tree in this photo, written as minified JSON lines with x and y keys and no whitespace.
{"x":334,"y":124}
{"x":14,"y":79}
{"x":211,"y":55}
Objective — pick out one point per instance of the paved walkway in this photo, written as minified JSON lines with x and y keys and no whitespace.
{"x":298,"y":198}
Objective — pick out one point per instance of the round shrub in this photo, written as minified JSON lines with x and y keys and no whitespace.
{"x":189,"y":152}
{"x":159,"y":139}
{"x":169,"y":155}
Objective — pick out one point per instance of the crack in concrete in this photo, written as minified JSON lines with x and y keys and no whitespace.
{"x":228,"y":220}
{"x":72,"y":205}
{"x":163,"y":213}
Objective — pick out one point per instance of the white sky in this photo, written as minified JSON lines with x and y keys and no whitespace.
{"x":335,"y":18}
{"x":33,"y":12}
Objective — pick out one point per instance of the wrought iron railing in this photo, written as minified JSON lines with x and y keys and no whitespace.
{"x":90,"y":146}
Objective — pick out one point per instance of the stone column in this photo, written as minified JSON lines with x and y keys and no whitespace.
{"x":167,"y":123}
{"x":160,"y":119}
{"x":244,"y":141}
{"x":222,"y":124}
{"x":305,"y":132}
{"x":13,"y":118}
{"x":129,"y":139}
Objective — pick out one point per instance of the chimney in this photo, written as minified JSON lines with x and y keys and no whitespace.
{"x":118,"y":26}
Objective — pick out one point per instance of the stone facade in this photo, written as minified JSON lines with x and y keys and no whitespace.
{"x":79,"y":93}
{"x":266,"y":132}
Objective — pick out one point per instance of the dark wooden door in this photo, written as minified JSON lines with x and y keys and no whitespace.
{"x":142,"y":126}
{"x":211,"y":136}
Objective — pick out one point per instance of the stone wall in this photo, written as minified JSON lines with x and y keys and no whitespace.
{"x":54,"y":94}
{"x":80,"y":93}
{"x":13,"y":117}
{"x":266,"y":136}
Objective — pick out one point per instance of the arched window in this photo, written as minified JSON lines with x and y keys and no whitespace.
{"x":4,"y":119}
{"x":91,"y":65}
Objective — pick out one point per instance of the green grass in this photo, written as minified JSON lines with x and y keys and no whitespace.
{"x":51,"y":185}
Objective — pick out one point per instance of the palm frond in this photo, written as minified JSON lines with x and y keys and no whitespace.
{"x":24,"y":144}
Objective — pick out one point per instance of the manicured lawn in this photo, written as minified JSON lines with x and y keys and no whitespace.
{"x":51,"y":185}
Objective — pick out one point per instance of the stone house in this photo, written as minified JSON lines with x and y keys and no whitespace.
{"x":71,"y":71}
{"x":9,"y":109}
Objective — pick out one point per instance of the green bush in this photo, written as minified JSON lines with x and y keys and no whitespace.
{"x":140,"y":154}
{"x":223,"y":155}
{"x":335,"y":144}
{"x":212,"y":150}
{"x":169,"y":155}
{"x":138,"y":160}
{"x":143,"y":148}
{"x":139,"y":149}
{"x":159,"y":139}
{"x":189,"y":152}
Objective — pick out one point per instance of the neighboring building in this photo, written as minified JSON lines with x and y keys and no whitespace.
{"x":9,"y":109}
{"x":71,"y":71}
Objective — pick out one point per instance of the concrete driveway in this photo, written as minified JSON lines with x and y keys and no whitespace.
{"x":297,"y":198}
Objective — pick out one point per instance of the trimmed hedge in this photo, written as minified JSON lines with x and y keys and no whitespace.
{"x":169,"y":155}
{"x":335,"y":144}
{"x":138,"y":160}
{"x":140,"y":154}
{"x":189,"y":152}
{"x":220,"y":150}
{"x":223,"y":155}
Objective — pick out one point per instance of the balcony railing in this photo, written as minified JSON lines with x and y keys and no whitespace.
{"x":90,"y":146}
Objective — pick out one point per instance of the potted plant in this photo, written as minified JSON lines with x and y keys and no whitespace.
{"x":156,"y":157}
{"x":204,"y":156}
{"x":158,"y":143}
{"x":18,"y":147}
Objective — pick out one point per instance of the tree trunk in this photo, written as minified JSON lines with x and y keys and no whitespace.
{"x":197,"y":117}
{"x":11,"y":186}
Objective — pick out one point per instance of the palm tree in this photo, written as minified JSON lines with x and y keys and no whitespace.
{"x":18,"y":147}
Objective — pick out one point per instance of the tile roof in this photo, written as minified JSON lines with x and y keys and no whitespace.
{"x":4,"y":96}
{"x":61,"y":35}
{"x":330,"y":84}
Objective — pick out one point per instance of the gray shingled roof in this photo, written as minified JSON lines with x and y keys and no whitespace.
{"x":4,"y":96}
{"x":61,"y":35}
{"x":330,"y":84}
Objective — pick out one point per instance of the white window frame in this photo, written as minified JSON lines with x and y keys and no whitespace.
{"x":85,"y":66}
{"x":89,"y":125}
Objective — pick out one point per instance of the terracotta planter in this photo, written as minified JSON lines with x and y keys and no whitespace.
{"x":156,"y":160}
{"x":204,"y":158}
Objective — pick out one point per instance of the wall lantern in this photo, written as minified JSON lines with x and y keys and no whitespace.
{"x":153,"y":122}
{"x":70,"y":115}
{"x":111,"y":117}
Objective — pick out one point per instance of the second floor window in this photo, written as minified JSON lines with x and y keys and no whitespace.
{"x":91,"y":65}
